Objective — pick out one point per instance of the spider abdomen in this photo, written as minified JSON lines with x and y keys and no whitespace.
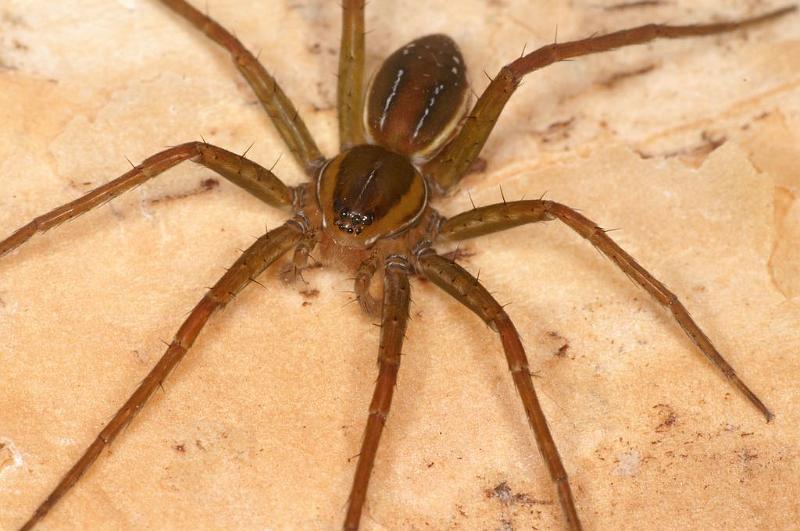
{"x":369,"y":192}
{"x":417,"y":97}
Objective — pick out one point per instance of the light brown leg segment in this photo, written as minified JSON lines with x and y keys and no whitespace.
{"x":366,"y":270}
{"x":396,"y":297}
{"x":452,"y":163}
{"x":465,"y":288}
{"x":253,"y":261}
{"x":285,"y":117}
{"x":242,"y":172}
{"x":350,"y":88}
{"x":503,"y":216}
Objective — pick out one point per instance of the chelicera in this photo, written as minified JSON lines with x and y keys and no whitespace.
{"x":405,"y":140}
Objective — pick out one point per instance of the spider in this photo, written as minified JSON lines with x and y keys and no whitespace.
{"x":369,"y":208}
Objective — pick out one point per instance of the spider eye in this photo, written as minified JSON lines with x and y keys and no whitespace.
{"x":368,"y":193}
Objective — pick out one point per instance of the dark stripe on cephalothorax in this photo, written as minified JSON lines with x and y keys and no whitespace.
{"x":372,"y":180}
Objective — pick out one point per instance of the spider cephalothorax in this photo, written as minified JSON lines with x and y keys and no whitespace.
{"x":401,"y":145}
{"x":369,"y":192}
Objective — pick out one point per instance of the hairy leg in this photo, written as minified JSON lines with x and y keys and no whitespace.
{"x":366,"y":270}
{"x":396,"y":297}
{"x":493,"y":218}
{"x":300,"y":257}
{"x":452,"y":163}
{"x":465,"y":288}
{"x":350,"y":88}
{"x":253,"y":261}
{"x":242,"y":172}
{"x":279,"y":107}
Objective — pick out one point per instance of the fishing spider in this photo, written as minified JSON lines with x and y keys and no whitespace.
{"x":369,"y":208}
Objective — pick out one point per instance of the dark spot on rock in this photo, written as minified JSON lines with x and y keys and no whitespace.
{"x":479,"y":165}
{"x":556,"y":131}
{"x":618,"y":77}
{"x":460,"y":253}
{"x":637,"y":4}
{"x":693,"y":155}
{"x":206,"y":185}
{"x":503,"y":493}
{"x":561,"y":350}
{"x":747,"y":454}
{"x":667,"y":417}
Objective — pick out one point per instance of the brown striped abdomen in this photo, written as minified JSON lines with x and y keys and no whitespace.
{"x":417,"y":97}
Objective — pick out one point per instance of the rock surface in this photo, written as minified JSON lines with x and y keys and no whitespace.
{"x":691,"y":148}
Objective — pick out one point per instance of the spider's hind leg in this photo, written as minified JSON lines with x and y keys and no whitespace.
{"x":454,"y":161}
{"x":465,"y":288}
{"x":396,"y":298}
{"x":250,"y":264}
{"x":501,"y":216}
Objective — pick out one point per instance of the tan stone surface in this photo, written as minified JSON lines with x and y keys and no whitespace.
{"x":255,"y":428}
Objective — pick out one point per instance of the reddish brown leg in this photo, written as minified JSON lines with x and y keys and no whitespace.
{"x":366,"y":270}
{"x":452,"y":163}
{"x":285,"y":117}
{"x":350,"y":89}
{"x":242,"y":172}
{"x":466,"y":289}
{"x":300,"y":257}
{"x":253,"y":261}
{"x":396,"y":296}
{"x":503,"y":216}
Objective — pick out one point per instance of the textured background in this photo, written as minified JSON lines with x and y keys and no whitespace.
{"x":690,"y":148}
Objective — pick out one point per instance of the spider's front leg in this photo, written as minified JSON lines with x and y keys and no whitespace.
{"x":396,"y":298}
{"x":369,"y":304}
{"x":350,"y":87}
{"x":503,"y":216}
{"x":253,"y":262}
{"x":465,"y":288}
{"x":453,"y":162}
{"x":242,"y":172}
{"x":279,"y":107}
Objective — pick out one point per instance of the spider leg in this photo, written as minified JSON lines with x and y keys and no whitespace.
{"x":396,"y":296}
{"x":300,"y":256}
{"x":452,"y":163}
{"x":503,"y":216}
{"x":366,"y":270}
{"x":250,"y":264}
{"x":465,"y":288}
{"x":279,"y":107}
{"x":350,"y":89}
{"x":242,"y":172}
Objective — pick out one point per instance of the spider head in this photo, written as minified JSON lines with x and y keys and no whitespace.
{"x":367,"y":193}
